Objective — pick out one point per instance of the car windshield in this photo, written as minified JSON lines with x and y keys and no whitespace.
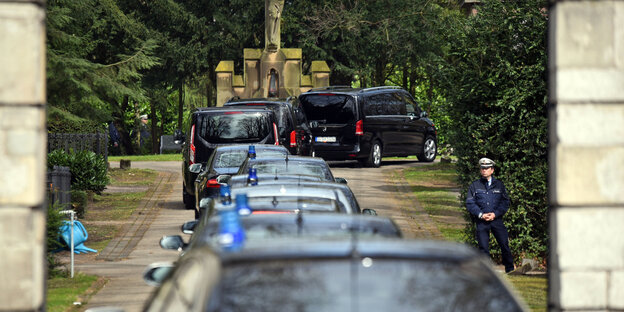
{"x":291,"y":203}
{"x":234,"y":127}
{"x":292,"y":167}
{"x":329,"y":108}
{"x":234,"y":158}
{"x":363,"y":284}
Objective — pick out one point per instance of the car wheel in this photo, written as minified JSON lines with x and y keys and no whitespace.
{"x":429,"y":150}
{"x":374,"y":157}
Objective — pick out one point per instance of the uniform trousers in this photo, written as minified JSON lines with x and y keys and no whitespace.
{"x":499,"y":230}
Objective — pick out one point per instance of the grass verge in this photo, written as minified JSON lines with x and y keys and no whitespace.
{"x":62,"y":292}
{"x":435,"y":187}
{"x":157,"y":157}
{"x":533,"y":289}
{"x":105,"y":216}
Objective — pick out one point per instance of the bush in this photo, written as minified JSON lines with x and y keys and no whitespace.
{"x":88,"y":170}
{"x":79,"y":202}
{"x":53,"y":224}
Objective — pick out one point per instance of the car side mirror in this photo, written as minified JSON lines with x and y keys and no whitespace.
{"x":189,"y":227}
{"x":172,"y":242}
{"x":423,"y":114}
{"x":156,"y":273}
{"x":368,"y":211}
{"x":178,"y":136}
{"x":195,"y":168}
{"x":224,"y":178}
{"x":341,"y":180}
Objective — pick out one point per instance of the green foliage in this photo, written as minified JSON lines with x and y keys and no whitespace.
{"x":61,"y":121}
{"x":53,"y":224}
{"x":88,"y":170}
{"x":494,"y":78}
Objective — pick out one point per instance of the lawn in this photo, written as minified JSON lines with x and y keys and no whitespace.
{"x":62,"y":292}
{"x":435,"y":187}
{"x":157,"y":157}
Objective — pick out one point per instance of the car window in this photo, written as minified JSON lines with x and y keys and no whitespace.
{"x":373,"y":284}
{"x":234,"y":158}
{"x":329,"y":108}
{"x":411,"y":106}
{"x":291,"y":168}
{"x":234,"y":127}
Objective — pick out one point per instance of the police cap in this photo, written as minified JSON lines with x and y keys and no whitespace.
{"x":486,"y":163}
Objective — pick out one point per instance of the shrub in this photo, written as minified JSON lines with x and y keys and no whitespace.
{"x":79,"y":202}
{"x":53,"y":224}
{"x":88,"y":170}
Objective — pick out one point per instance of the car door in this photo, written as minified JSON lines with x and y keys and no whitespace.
{"x":383,"y":118}
{"x":414,"y":126}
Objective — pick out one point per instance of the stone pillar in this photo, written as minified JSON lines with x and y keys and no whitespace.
{"x":586,"y":178}
{"x":320,"y":74}
{"x":22,"y":155}
{"x":225,"y":77}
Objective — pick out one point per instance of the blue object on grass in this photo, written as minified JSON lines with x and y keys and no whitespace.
{"x":80,"y":236}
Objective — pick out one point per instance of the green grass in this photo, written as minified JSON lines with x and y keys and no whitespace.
{"x":159,"y":157}
{"x":532,"y":288}
{"x":64,"y":291}
{"x":435,"y":187}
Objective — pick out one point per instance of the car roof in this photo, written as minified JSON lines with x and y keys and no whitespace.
{"x":348,"y":90}
{"x":245,"y":147}
{"x":263,"y":178}
{"x":341,"y":247}
{"x":259,"y":100}
{"x":290,"y":158}
{"x":327,"y":224}
{"x":228,"y":109}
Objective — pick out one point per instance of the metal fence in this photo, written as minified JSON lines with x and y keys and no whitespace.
{"x":96,"y":142}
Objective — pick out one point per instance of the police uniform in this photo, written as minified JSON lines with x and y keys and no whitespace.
{"x":483,"y":198}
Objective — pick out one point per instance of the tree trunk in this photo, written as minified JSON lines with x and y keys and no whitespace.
{"x":154,"y":126}
{"x":126,"y":141}
{"x":180,"y":105}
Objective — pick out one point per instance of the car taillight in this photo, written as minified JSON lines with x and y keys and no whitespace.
{"x":275,"y":134}
{"x":359,"y":128}
{"x":293,"y":138}
{"x":212,"y":183}
{"x":192,"y":152}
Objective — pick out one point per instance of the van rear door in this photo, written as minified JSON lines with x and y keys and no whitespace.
{"x":332,"y":119}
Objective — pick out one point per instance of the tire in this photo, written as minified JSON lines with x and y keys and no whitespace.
{"x":429,"y":150}
{"x":374,"y":156}
{"x":189,"y":200}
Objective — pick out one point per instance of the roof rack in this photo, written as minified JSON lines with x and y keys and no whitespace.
{"x":330,"y":88}
{"x":380,"y":88}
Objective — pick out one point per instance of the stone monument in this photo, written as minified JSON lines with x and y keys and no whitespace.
{"x":274,"y":72}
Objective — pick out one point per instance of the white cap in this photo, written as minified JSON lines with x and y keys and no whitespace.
{"x":486,"y":163}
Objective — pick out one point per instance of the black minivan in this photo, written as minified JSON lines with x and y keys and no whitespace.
{"x":366,"y":124}
{"x":292,"y":127}
{"x":216,"y":126}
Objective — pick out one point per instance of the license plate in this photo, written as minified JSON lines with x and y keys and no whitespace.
{"x":325,"y":139}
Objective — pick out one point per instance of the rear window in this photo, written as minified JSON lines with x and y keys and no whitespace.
{"x":329,"y":108}
{"x":233,"y":127}
{"x":369,"y":284}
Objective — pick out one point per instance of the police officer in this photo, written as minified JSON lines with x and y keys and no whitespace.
{"x":487,"y":201}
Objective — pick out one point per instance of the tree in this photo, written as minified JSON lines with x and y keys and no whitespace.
{"x":494,"y":79}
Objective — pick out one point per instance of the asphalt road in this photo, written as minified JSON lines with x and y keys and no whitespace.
{"x":162,"y":212}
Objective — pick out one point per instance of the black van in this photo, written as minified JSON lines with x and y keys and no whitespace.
{"x":366,"y":124}
{"x":216,"y":126}
{"x":293,"y":130}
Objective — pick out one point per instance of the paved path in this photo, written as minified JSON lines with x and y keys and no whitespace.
{"x":125,"y":258}
{"x":389,"y":194}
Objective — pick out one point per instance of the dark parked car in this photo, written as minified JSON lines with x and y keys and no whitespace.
{"x":342,"y":274}
{"x":217,"y":126}
{"x":226,"y":160}
{"x":292,"y":127}
{"x":270,"y":226}
{"x":367,"y":124}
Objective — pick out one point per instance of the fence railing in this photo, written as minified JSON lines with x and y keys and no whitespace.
{"x":95,"y":142}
